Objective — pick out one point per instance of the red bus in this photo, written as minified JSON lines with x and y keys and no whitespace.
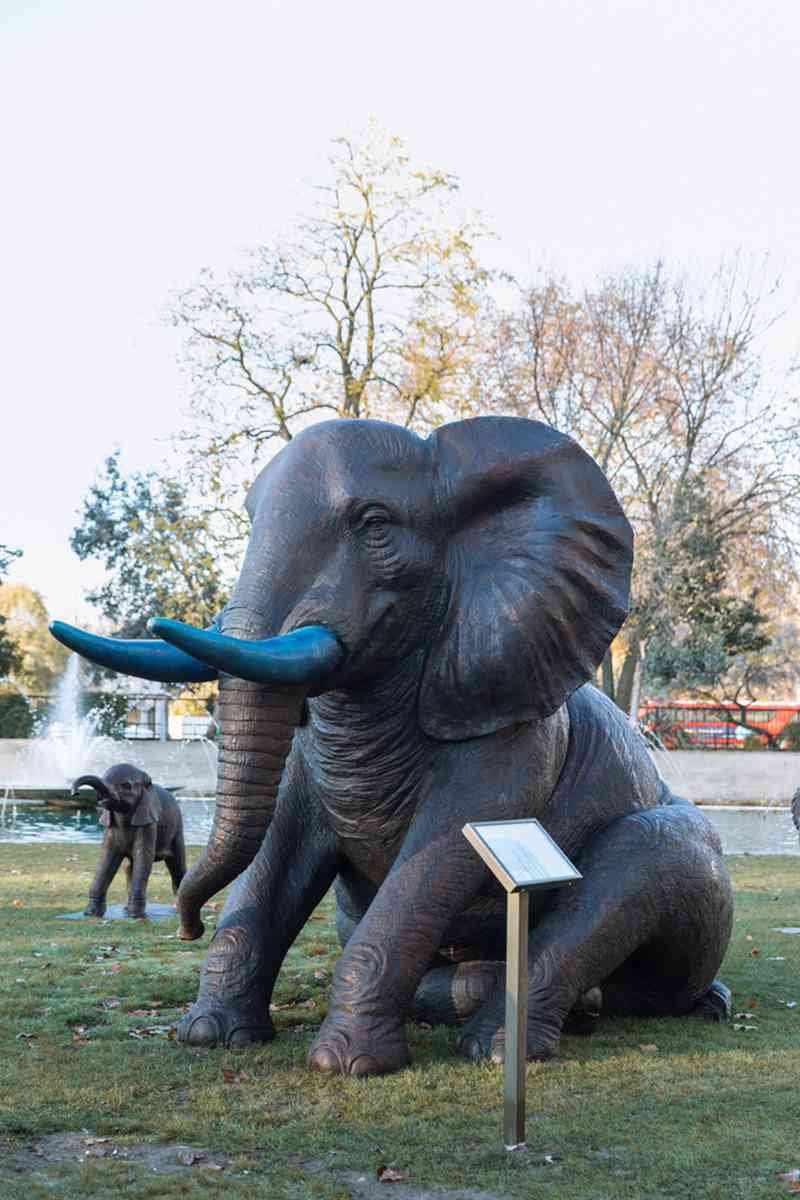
{"x":689,"y":724}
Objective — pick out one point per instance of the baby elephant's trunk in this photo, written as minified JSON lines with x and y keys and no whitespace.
{"x":93,"y":781}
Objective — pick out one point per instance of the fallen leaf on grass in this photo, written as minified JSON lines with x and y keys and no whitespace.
{"x":391,"y":1175}
{"x":17,"y":904}
{"x":110,"y":1002}
{"x":648,"y":1047}
{"x":148,"y":1031}
{"x":743,"y":1016}
{"x":25,"y":1037}
{"x":295,"y":1002}
{"x":79,"y":1037}
{"x":100,"y":1148}
{"x":231,"y":1076}
{"x":754,"y":953}
{"x":550,"y":1160}
{"x":746,"y":1028}
{"x":188,"y":1158}
{"x":102,"y":952}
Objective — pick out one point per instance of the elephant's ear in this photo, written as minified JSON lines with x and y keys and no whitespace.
{"x":148,"y":810}
{"x":539,"y":558}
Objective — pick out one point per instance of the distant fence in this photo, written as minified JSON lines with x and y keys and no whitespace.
{"x":136,"y":717}
{"x":692,"y":724}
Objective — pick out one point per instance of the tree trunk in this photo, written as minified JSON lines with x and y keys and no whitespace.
{"x":607,"y":675}
{"x":627,"y":677}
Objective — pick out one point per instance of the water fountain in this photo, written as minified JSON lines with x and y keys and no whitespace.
{"x":69,"y":746}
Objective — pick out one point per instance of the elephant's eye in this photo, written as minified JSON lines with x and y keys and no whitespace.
{"x":370,"y":518}
{"x":126,"y":787}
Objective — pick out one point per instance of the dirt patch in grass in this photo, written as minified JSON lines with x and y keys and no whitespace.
{"x":39,"y":1157}
{"x":80,"y":1147}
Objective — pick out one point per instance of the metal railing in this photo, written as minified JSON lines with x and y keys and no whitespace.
{"x":144,"y":716}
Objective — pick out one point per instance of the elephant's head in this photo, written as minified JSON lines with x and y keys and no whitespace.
{"x":126,"y":790}
{"x":493,"y":554}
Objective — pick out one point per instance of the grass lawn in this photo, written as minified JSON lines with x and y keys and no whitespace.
{"x":96,"y":1098}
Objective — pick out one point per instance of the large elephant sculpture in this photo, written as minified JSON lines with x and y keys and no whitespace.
{"x":406,"y":650}
{"x":142,"y":824}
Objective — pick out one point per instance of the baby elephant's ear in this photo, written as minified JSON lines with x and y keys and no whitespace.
{"x":148,"y":810}
{"x":539,"y":560}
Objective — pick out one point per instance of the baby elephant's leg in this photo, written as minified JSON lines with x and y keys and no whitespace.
{"x":144,"y":849}
{"x":110,"y":860}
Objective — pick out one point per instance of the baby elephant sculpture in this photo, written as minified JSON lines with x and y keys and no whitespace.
{"x":407,"y":649}
{"x":143,"y":825}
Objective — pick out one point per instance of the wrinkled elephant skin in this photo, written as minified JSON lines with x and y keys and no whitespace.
{"x":407,"y":649}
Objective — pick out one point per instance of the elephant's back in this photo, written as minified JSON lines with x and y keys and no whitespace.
{"x":607,"y":772}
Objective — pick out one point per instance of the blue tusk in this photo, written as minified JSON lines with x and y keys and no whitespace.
{"x":139,"y":657}
{"x":305,"y":656}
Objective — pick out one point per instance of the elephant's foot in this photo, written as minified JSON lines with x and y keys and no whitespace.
{"x":351,"y":1045}
{"x":715,"y":1005}
{"x":583,"y":1018}
{"x":485,"y":1036}
{"x":95,"y":908}
{"x":191,"y":931}
{"x":205,"y":1025}
{"x":136,"y":911}
{"x":231,"y":1007}
{"x":485,"y":1039}
{"x":449,"y":995}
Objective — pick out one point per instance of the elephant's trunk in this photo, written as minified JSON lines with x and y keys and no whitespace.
{"x":261,"y":697}
{"x":258,"y":725}
{"x":93,"y":781}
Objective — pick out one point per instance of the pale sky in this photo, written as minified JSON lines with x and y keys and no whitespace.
{"x":143,"y":140}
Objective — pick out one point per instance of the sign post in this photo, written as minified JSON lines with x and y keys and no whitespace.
{"x":523,"y":856}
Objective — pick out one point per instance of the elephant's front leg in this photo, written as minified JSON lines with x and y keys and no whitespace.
{"x":142,"y":854}
{"x":110,"y":861}
{"x":265,"y":911}
{"x":378,"y":974}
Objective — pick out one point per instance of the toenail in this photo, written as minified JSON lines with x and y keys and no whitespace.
{"x":365,"y":1064}
{"x":470,"y":1047}
{"x":324,"y":1059}
{"x":203,"y":1031}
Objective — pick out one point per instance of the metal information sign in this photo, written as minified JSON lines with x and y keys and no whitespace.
{"x":523,"y":856}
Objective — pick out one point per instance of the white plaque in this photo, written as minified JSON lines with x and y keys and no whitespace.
{"x":521,"y":854}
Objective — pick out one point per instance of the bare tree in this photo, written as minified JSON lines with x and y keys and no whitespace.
{"x":666,"y":387}
{"x":367,"y":308}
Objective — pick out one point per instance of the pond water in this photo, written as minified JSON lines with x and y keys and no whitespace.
{"x":35,"y":823}
{"x":743,"y":830}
